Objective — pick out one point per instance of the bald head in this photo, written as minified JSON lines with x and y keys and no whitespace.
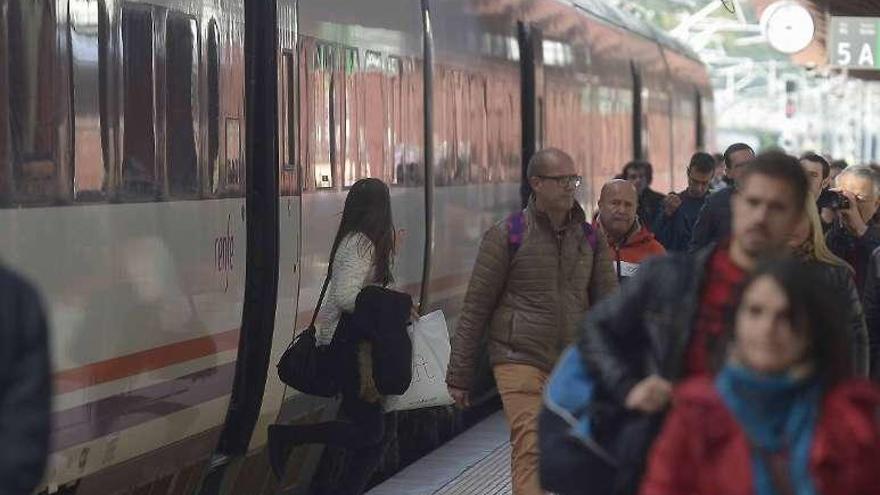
{"x":547,"y":161}
{"x":618,"y":203}
{"x":619,"y":187}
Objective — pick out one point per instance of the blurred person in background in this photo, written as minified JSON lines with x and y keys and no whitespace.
{"x":641,"y":174}
{"x":713,"y":222}
{"x":674,"y":225}
{"x":807,"y":243}
{"x":783,"y":416}
{"x":631,"y":242}
{"x":855,"y":234}
{"x":25,"y":387}
{"x":719,"y":180}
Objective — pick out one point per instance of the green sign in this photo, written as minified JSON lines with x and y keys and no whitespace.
{"x":854,"y":42}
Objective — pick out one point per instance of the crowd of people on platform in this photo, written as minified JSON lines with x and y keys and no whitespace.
{"x":742,"y":314}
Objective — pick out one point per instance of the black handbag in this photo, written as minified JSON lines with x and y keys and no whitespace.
{"x":307,"y":367}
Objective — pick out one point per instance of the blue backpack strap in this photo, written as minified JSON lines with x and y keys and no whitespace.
{"x":516,"y":229}
{"x":590,"y":234}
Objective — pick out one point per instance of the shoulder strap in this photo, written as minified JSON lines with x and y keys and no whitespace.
{"x":590,"y":234}
{"x":516,"y":228}
{"x":323,"y":292}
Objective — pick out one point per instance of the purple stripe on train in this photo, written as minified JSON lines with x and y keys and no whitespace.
{"x":106,"y":416}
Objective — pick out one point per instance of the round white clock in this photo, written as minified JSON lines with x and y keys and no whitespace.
{"x":788,"y":26}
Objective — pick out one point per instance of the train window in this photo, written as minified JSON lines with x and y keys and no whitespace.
{"x":232,"y":166}
{"x":354,"y":166}
{"x":88,"y":44}
{"x":139,"y":177}
{"x":213,"y":73}
{"x":323,"y":118}
{"x":33,"y":102}
{"x":395,"y":121}
{"x":374,"y":121}
{"x":182,"y":83}
{"x":287,"y":132}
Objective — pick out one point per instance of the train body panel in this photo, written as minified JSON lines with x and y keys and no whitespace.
{"x":123,"y":190}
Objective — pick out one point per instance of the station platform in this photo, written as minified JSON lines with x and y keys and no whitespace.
{"x":476,"y":462}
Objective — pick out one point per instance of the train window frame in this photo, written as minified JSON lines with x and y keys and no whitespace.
{"x":288,"y":125}
{"x":211,"y":185}
{"x":178,"y":123}
{"x":34,"y":176}
{"x":144,"y":191}
{"x":325,"y":60}
{"x":351,"y":113}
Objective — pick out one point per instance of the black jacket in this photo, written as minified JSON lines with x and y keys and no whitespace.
{"x":381,"y":317}
{"x":841,"y":279}
{"x":646,"y":327}
{"x":856,"y":251}
{"x":871,"y":299}
{"x":650,"y":204}
{"x":24,"y":386}
{"x":675,"y":232}
{"x":713,"y":222}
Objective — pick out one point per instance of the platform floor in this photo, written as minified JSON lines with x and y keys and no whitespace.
{"x":477,"y":462}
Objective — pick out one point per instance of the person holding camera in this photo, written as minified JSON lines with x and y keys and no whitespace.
{"x":855,"y":234}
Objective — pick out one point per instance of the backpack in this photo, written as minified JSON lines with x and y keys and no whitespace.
{"x":516,"y":229}
{"x":583,"y":435}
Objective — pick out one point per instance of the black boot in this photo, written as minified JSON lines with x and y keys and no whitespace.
{"x":279,"y":448}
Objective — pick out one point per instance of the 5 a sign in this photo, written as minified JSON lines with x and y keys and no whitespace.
{"x":855,"y":42}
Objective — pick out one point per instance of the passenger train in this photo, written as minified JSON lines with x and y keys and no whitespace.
{"x":175,"y":269}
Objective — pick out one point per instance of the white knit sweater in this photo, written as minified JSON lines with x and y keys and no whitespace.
{"x":352,"y":271}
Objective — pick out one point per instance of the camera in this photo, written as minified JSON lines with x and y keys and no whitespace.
{"x":835,"y":201}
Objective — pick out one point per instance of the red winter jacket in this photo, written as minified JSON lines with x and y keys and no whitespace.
{"x":703,"y":451}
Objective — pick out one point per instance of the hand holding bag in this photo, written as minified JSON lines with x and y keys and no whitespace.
{"x":306,"y":366}
{"x":430,"y":358}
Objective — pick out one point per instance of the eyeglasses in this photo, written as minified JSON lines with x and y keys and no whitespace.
{"x":564,"y":180}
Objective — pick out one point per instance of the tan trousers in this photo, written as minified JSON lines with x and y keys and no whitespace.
{"x":521,"y":388}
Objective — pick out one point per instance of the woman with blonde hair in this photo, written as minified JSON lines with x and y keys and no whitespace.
{"x":808,"y":245}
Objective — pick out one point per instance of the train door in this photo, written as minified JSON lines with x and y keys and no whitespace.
{"x":532,"y":84}
{"x":289,"y":215}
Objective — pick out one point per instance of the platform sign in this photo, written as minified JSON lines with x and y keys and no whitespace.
{"x":854,"y":42}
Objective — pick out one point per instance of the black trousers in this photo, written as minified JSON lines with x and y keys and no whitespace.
{"x":360,"y":429}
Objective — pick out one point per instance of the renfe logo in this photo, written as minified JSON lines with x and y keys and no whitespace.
{"x":224,"y":253}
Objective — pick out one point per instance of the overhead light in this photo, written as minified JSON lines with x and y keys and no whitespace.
{"x":788,"y":26}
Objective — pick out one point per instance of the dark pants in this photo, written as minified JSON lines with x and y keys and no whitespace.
{"x":360,"y":430}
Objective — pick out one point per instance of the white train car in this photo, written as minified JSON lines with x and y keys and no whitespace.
{"x":175,"y":270}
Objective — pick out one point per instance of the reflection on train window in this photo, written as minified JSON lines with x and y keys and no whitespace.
{"x":354,"y":162}
{"x":395,"y":123}
{"x":182,"y":73}
{"x":287,"y":131}
{"x":139,"y":159}
{"x":374,"y":123}
{"x":88,"y":42}
{"x":32,"y":100}
{"x":213,"y":73}
{"x":323,"y":132}
{"x":232,"y":165}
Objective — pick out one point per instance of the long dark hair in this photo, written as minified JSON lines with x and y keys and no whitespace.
{"x":368,"y":211}
{"x":814,"y":311}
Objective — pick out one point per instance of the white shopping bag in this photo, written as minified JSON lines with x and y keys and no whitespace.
{"x":430,"y":340}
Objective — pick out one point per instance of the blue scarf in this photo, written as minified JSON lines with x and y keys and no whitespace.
{"x":778,"y":413}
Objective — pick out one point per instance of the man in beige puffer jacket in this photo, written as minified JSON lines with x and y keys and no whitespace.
{"x":529,"y":299}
